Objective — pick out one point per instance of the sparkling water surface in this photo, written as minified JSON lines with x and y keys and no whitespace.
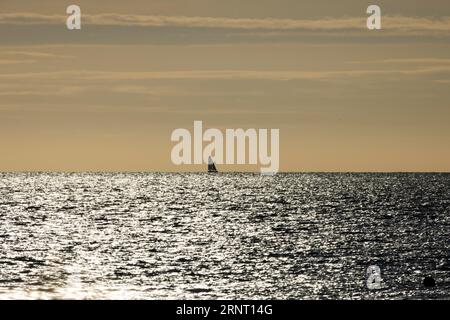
{"x":223,"y":236}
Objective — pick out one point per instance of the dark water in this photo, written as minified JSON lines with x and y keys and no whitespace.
{"x":152,"y":236}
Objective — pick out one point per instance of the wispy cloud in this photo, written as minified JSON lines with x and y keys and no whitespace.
{"x":183,"y":21}
{"x":31,"y":54}
{"x":15,"y":61}
{"x":415,"y":61}
{"x":391,"y":23}
{"x":38,"y":29}
{"x":221,"y":75}
{"x":445,"y":81}
{"x":25,"y":57}
{"x":43,"y":91}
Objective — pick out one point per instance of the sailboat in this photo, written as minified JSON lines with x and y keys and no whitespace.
{"x":428,"y":281}
{"x":211,"y":165}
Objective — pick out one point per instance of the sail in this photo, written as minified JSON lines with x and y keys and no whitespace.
{"x":211,"y":165}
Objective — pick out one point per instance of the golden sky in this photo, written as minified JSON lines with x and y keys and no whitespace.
{"x":107,"y":97}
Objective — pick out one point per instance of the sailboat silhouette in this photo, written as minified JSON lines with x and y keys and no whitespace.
{"x":428,"y":281}
{"x":211,"y":165}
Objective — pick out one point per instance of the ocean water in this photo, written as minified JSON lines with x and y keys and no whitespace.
{"x":223,"y":236}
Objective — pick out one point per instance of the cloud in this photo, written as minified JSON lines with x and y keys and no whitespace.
{"x":104,"y":76}
{"x":390,"y":23}
{"x":183,"y":21}
{"x":22,"y":18}
{"x":32,"y":54}
{"x":15,"y":61}
{"x":444,"y":81}
{"x":416,"y":61}
{"x":122,"y":29}
{"x":57,"y":91}
{"x":25,"y":57}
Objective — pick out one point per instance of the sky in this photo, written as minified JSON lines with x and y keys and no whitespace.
{"x":107,"y":97}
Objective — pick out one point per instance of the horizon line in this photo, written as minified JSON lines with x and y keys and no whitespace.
{"x":249,"y":172}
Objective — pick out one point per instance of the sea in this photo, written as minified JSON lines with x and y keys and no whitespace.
{"x":224,"y":236}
